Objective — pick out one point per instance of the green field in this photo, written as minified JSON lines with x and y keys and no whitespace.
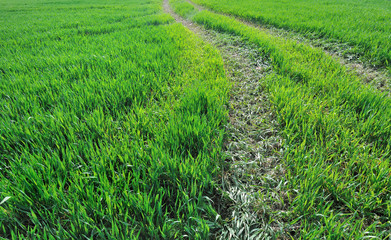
{"x":113,"y":119}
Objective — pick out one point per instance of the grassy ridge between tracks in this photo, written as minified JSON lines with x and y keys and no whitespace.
{"x":364,"y":25}
{"x":337,"y":134}
{"x":111,"y":121}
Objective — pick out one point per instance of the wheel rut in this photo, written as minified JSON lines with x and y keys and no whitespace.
{"x":253,"y":178}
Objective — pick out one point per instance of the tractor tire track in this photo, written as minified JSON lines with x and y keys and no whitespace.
{"x":253,"y":180}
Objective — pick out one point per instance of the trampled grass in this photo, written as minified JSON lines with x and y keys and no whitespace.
{"x":363,"y":24}
{"x":337,"y":134}
{"x":111,"y":122}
